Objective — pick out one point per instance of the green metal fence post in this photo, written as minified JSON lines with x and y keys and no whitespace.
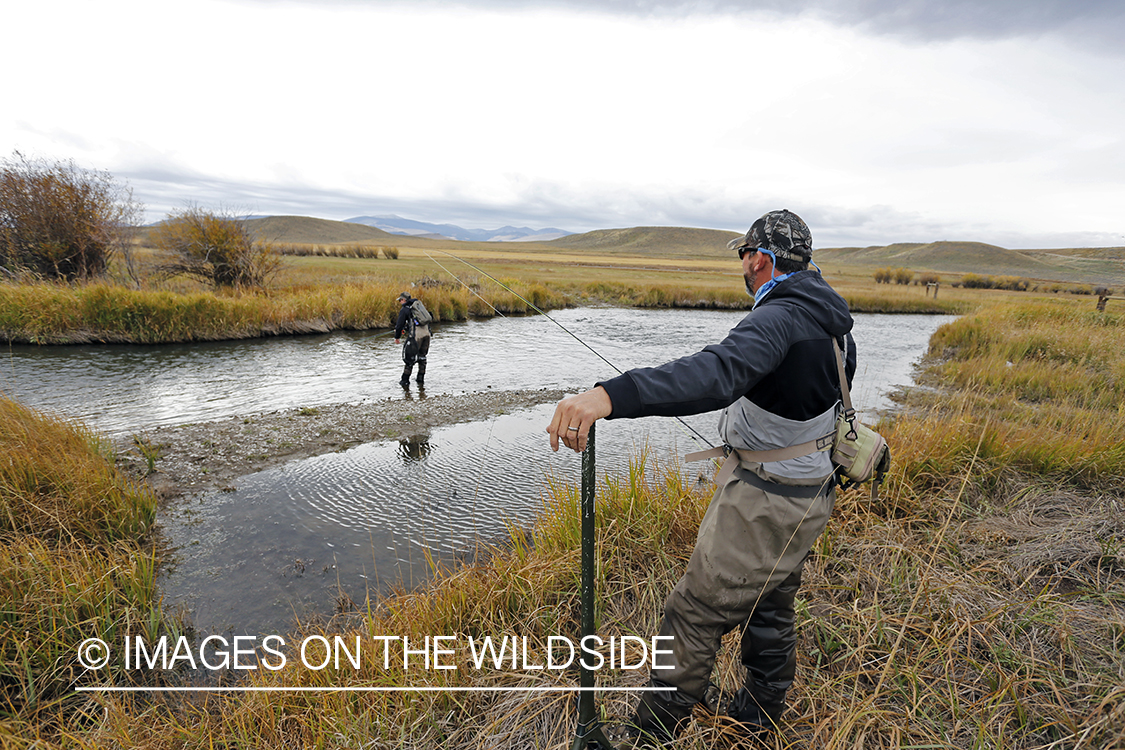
{"x":589,"y":732}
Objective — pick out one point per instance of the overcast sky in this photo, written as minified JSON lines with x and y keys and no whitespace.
{"x":877,"y":121}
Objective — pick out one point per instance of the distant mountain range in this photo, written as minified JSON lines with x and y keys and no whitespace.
{"x":398,"y":225}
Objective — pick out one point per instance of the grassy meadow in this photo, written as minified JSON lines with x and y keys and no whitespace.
{"x":325,"y":292}
{"x":338,"y":275}
{"x":980,"y":603}
{"x":77,"y":560}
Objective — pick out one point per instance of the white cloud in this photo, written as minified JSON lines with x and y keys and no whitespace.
{"x":555,"y":114}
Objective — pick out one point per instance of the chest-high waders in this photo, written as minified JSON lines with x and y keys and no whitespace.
{"x":415,"y":349}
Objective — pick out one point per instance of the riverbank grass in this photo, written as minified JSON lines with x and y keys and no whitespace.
{"x":322,"y":294}
{"x":105,"y":313}
{"x":76,"y":562}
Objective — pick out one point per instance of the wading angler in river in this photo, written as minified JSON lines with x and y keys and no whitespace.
{"x":414,"y":324}
{"x":775,"y":377}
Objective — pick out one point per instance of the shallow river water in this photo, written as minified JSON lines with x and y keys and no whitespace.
{"x":300,"y":539}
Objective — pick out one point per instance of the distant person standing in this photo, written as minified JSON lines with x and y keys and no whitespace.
{"x":414,"y":324}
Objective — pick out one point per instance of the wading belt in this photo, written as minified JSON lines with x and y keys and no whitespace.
{"x":734,"y":456}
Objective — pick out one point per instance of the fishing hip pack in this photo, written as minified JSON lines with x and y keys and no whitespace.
{"x":858,"y":452}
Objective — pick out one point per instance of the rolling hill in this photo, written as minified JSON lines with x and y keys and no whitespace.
{"x":1078,"y":265}
{"x":308,"y":230}
{"x":662,"y":241}
{"x":1086,"y":265}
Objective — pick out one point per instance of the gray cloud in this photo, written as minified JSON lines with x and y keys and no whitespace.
{"x":1085,"y":23}
{"x":939,"y":20}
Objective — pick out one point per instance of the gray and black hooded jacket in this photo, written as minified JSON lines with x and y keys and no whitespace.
{"x":774,"y":376}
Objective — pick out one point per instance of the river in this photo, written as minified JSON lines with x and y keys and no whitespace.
{"x":303,"y":538}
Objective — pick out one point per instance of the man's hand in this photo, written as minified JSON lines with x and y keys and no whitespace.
{"x":396,"y":341}
{"x":574,"y":416}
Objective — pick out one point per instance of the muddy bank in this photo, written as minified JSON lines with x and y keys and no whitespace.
{"x":210,"y":455}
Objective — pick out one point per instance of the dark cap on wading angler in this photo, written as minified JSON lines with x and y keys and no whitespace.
{"x":404,"y":296}
{"x":782,"y":232}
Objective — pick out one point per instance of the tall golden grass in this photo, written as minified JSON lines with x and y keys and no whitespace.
{"x":76,"y":562}
{"x":349,"y":250}
{"x":339,"y":287}
{"x":979,"y":604}
{"x":54,"y":314}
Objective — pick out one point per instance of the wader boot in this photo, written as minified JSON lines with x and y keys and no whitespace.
{"x":660,"y":716}
{"x":421,"y":372}
{"x":769,"y":653}
{"x":404,"y":381}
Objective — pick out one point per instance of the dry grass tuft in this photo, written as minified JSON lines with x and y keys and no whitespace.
{"x":75,"y":563}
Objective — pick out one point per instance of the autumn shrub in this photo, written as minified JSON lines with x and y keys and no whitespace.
{"x":216,"y":248}
{"x":60,"y":221}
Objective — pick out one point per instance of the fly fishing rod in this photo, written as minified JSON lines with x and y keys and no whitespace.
{"x":589,"y":732}
{"x":694,"y":433}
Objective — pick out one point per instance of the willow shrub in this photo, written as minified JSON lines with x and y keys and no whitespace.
{"x":61,"y":221}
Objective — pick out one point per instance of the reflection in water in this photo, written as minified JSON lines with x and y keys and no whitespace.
{"x":414,"y":448}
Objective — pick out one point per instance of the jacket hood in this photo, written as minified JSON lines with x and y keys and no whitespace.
{"x":811,"y":293}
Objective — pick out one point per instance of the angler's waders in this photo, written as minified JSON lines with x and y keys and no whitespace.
{"x":589,"y":732}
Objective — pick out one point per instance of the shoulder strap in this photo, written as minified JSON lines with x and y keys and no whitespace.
{"x":845,"y":392}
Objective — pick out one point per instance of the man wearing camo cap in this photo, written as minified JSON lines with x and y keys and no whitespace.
{"x":776,"y":380}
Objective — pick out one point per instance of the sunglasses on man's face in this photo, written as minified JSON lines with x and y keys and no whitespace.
{"x":744,"y":251}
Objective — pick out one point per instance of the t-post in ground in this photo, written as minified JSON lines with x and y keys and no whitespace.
{"x":589,"y":733}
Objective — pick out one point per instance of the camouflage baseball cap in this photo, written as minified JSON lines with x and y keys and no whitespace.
{"x":782,"y":232}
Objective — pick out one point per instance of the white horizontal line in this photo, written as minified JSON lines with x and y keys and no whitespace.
{"x":426,"y":689}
